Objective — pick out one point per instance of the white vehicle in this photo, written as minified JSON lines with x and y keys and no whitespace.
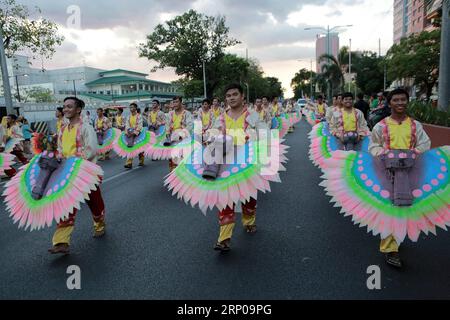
{"x":301,"y":103}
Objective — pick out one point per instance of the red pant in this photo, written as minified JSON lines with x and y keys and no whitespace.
{"x":227,"y":215}
{"x":95,"y":203}
{"x":172,"y":165}
{"x":19,"y":155}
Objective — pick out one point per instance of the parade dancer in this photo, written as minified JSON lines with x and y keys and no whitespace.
{"x":337,"y":105}
{"x":59,"y":120}
{"x":397,"y":132}
{"x":216,"y":109}
{"x":156,"y":118}
{"x":348,"y":124}
{"x":119,"y":120}
{"x":320,"y":108}
{"x":401,"y":188}
{"x":133,"y":128}
{"x":180,"y":127}
{"x":205,"y":115}
{"x":78,"y":139}
{"x":57,"y":180}
{"x":263,"y":113}
{"x":102,"y":125}
{"x":229,"y":185}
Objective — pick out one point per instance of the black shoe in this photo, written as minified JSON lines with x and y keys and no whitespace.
{"x":223,"y":246}
{"x":128,"y":166}
{"x":62,"y":248}
{"x":393,"y":259}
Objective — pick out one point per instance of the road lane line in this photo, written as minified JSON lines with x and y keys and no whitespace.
{"x":120,"y":174}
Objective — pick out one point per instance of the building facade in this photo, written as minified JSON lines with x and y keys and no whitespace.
{"x":92,"y":84}
{"x":322,"y":48}
{"x":414,"y":16}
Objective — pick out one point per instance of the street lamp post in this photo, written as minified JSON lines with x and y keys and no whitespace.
{"x":6,"y":85}
{"x":74,"y":85}
{"x":327,"y":31}
{"x":17,"y":84}
{"x":205,"y":94}
{"x":311,"y":82}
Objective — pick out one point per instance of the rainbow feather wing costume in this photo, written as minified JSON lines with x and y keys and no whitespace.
{"x":311,"y":117}
{"x":235,"y":183}
{"x":323,"y":145}
{"x":67,"y":188}
{"x":159,"y":151}
{"x":6,"y":162}
{"x":280,"y":124}
{"x":142,"y":143}
{"x":358,"y":184}
{"x":160,"y":133}
{"x":110,"y":139}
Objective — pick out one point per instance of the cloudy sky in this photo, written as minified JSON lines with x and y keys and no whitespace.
{"x":109,"y":31}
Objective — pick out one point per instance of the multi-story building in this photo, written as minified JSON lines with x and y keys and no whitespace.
{"x":400,"y":20}
{"x":92,"y":84}
{"x":322,"y":48}
{"x":433,"y":13}
{"x":414,"y":16}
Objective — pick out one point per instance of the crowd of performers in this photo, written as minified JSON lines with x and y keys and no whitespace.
{"x":222,"y":155}
{"x":386,"y":179}
{"x":219,"y":158}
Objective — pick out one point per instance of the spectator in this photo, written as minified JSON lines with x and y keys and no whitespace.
{"x":27,"y":133}
{"x":362,"y":106}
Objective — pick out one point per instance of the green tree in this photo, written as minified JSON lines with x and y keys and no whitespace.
{"x":21,"y":32}
{"x":230,"y":69}
{"x":369,"y":70}
{"x":275,"y":87}
{"x":335,"y":68}
{"x":301,"y":83}
{"x":416,"y":57}
{"x":187,"y":41}
{"x":39,"y":94}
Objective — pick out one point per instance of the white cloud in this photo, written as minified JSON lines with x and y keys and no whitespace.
{"x":272,"y":31}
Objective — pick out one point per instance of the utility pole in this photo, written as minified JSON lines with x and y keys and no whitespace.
{"x":329,"y":93}
{"x":350,"y":65}
{"x":248,"y":86}
{"x":444,"y":69}
{"x":379,"y":47}
{"x":5,"y":77}
{"x":74,"y":88}
{"x":311,"y":81}
{"x":17,"y":86}
{"x":204,"y":81}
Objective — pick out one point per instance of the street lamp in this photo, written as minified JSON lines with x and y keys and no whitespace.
{"x":17,"y":84}
{"x":327,"y":32}
{"x":74,"y":86}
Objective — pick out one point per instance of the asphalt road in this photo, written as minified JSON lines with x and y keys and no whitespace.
{"x":157,"y":247}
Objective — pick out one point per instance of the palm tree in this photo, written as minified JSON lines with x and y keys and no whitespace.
{"x":333,"y":73}
{"x":334,"y":69}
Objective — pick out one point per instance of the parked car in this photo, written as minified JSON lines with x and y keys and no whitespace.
{"x":301,"y":103}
